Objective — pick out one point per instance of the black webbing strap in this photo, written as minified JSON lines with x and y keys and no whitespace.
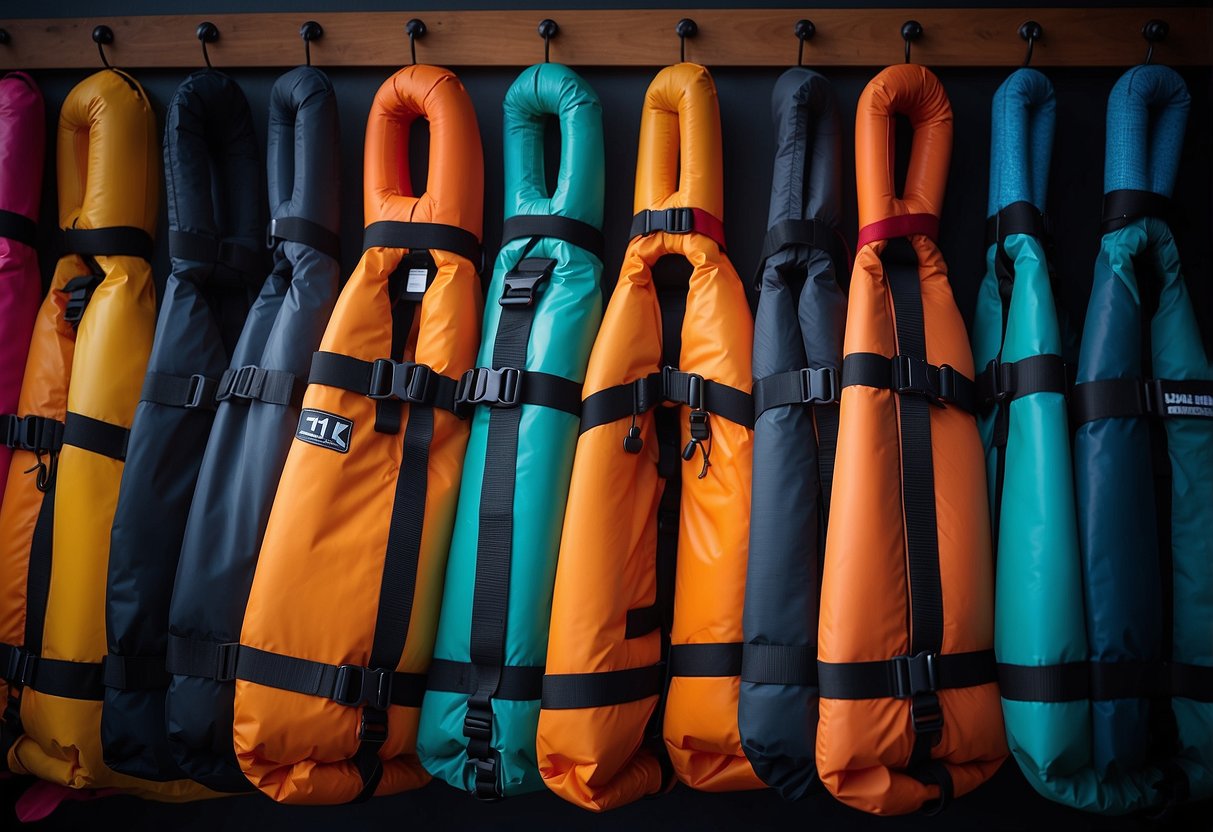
{"x":249,"y":383}
{"x":423,"y":235}
{"x":826,"y":421}
{"x":112,"y":241}
{"x":1005,"y":381}
{"x":402,"y":554}
{"x":306,"y":232}
{"x":571,"y":691}
{"x":583,"y":235}
{"x":905,"y":677}
{"x":494,"y":542}
{"x":351,"y":685}
{"x":813,"y":233}
{"x":18,"y":227}
{"x":641,"y":621}
{"x":508,"y":387}
{"x":347,"y":684}
{"x":669,"y":385}
{"x":720,"y":659}
{"x":779,"y":664}
{"x":95,"y":436}
{"x":24,"y":668}
{"x":1017,"y":218}
{"x":517,"y":683}
{"x":135,"y":672}
{"x":39,"y":434}
{"x":200,"y":657}
{"x":1115,"y":398}
{"x":217,"y":251}
{"x":807,"y":386}
{"x":910,"y":376}
{"x":1122,"y":207}
{"x":1103,"y":681}
{"x":196,"y":392}
{"x":383,"y":378}
{"x":918,"y":480}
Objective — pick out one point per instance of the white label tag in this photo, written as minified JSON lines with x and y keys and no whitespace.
{"x":416,"y":281}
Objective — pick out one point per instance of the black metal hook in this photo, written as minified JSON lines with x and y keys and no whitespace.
{"x":1031,"y":31}
{"x":4,"y":37}
{"x":415,"y":29}
{"x":206,"y":32}
{"x":804,"y":31}
{"x":911,"y":31}
{"x":102,"y":35}
{"x":1155,"y":31}
{"x":547,"y":30}
{"x":686,"y":28}
{"x":310,"y":31}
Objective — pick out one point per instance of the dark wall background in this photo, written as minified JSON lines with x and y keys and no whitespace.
{"x":1076,"y":185}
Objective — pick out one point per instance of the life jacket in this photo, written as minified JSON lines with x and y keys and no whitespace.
{"x":797,"y":355}
{"x":659,"y":494}
{"x":909,"y":711}
{"x":1109,"y":695}
{"x":216,"y":247}
{"x":340,"y":625}
{"x":86,"y":366}
{"x":477,"y":727}
{"x":22,"y":141}
{"x":259,"y":400}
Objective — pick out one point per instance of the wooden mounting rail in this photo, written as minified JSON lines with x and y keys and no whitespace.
{"x":730,"y":37}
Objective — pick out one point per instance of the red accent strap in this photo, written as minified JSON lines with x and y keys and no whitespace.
{"x":900,"y":226}
{"x":709,"y":226}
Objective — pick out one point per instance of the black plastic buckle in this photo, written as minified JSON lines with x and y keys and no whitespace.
{"x":404,"y":380}
{"x":356,"y":685}
{"x":915,"y":376}
{"x":695,"y":388}
{"x":478,"y":724}
{"x":523,"y":281}
{"x":485,"y":786}
{"x":484,"y":385}
{"x":913,"y":675}
{"x":238,"y":384}
{"x":10,"y":436}
{"x":925,"y":714}
{"x":19,"y":671}
{"x":669,"y":220}
{"x":700,"y":431}
{"x":818,"y":386}
{"x":79,"y":291}
{"x":373,"y":726}
{"x":33,"y":433}
{"x":201,"y":388}
{"x":226,"y":655}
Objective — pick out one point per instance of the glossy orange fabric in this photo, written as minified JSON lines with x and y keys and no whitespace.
{"x":316,"y":590}
{"x":594,"y":756}
{"x":863,"y":746}
{"x":109,"y":175}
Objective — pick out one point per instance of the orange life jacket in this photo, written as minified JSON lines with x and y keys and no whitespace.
{"x":341,"y":618}
{"x":909,"y":709}
{"x":645,"y":644}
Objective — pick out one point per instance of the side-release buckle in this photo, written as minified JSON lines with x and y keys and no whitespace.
{"x":818,"y":386}
{"x":521,"y":284}
{"x":356,"y":685}
{"x":404,"y":380}
{"x":79,"y":291}
{"x":669,"y":220}
{"x":484,"y":385}
{"x":914,"y":674}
